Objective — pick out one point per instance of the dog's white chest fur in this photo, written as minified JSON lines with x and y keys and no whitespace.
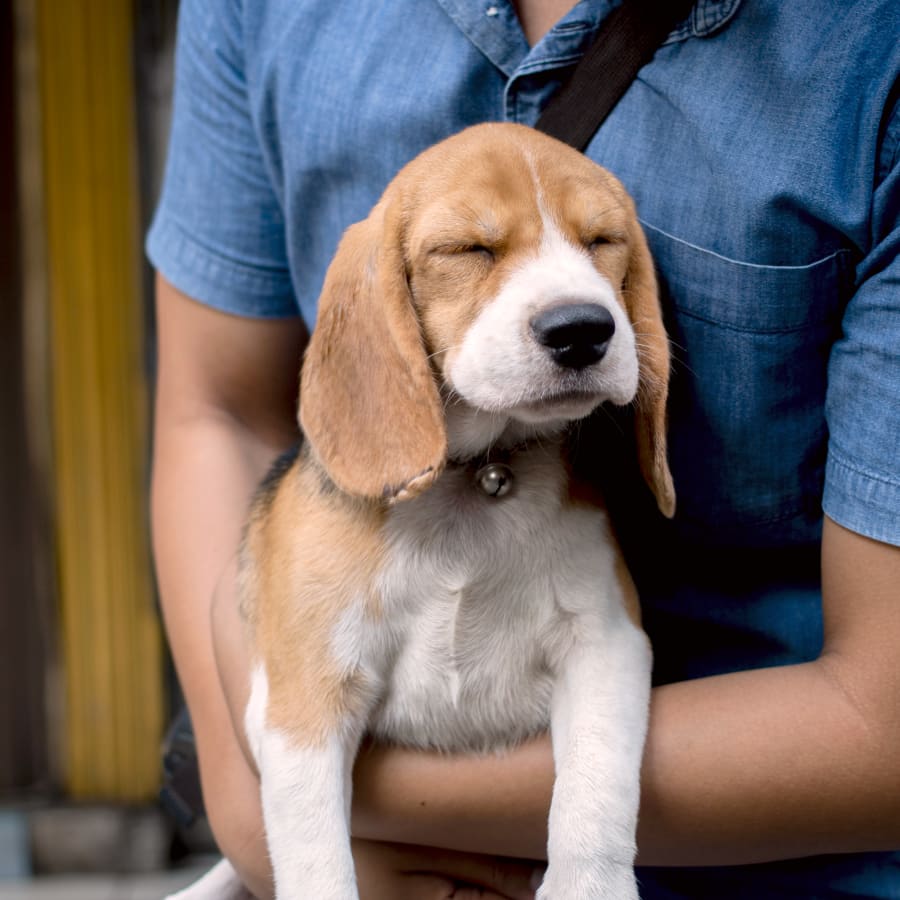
{"x":480,"y":598}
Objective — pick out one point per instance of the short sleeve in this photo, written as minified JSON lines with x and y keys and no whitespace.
{"x":862,"y":481}
{"x":218,"y":232}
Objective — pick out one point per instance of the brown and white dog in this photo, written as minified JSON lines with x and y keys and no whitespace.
{"x":425,"y":570}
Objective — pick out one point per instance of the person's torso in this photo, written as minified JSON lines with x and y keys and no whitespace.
{"x":750,"y":143}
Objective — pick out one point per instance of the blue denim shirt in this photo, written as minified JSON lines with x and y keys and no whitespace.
{"x":762,"y":146}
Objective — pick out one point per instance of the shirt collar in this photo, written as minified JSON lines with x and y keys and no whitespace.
{"x":493,"y":27}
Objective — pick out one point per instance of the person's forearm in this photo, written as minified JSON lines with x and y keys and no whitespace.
{"x":486,"y":804}
{"x":205,"y":471}
{"x":763,"y":765}
{"x":739,"y":768}
{"x":226,"y":398}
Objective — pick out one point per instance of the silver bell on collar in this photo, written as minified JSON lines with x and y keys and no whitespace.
{"x":494,"y":479}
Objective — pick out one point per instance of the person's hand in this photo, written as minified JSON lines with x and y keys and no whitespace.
{"x":405,"y":872}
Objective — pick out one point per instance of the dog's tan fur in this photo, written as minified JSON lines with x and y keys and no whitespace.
{"x":305,"y":532}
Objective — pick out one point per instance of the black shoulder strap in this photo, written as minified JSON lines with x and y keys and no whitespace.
{"x":626,"y":41}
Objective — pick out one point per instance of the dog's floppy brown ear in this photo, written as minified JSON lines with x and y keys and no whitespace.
{"x":369,"y":404}
{"x":642,"y":301}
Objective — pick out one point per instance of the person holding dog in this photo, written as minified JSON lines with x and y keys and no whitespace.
{"x":762,"y":146}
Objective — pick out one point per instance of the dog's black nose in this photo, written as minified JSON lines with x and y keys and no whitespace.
{"x":576,"y":334}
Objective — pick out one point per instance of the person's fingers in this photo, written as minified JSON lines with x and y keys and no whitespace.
{"x":507,"y":877}
{"x":431,"y":872}
{"x":380,"y":875}
{"x":474,"y":893}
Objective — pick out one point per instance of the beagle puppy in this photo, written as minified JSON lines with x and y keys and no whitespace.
{"x":425,"y":569}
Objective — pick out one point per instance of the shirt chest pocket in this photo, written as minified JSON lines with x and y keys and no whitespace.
{"x":750,"y":348}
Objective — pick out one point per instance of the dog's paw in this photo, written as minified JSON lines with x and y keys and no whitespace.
{"x":588,"y":882}
{"x":219,"y":883}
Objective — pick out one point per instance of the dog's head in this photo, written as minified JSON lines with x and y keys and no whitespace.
{"x":501,"y":284}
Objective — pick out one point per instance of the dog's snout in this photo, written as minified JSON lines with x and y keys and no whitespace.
{"x":575,"y":334}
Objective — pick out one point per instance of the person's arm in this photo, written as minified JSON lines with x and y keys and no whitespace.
{"x":795,"y":761}
{"x":746,"y":767}
{"x":225,"y":406}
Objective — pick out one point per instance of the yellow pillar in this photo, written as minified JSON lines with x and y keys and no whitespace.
{"x":109,"y":633}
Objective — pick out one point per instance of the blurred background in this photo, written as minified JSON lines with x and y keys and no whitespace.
{"x":86,"y":690}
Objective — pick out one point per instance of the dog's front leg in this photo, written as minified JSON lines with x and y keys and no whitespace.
{"x":305,"y":780}
{"x":598,"y":726}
